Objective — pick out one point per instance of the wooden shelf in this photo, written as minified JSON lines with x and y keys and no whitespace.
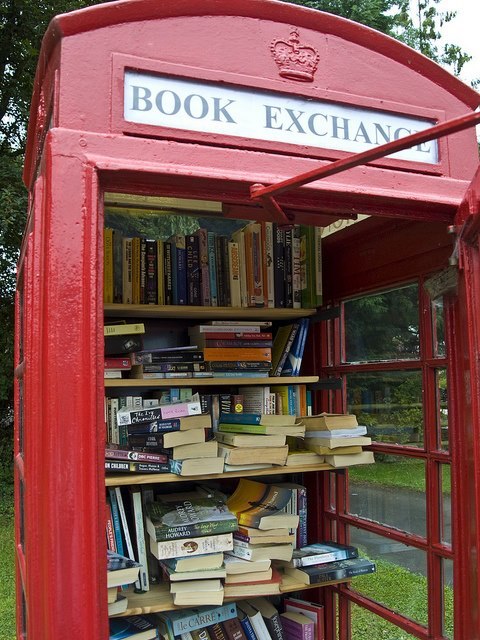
{"x":203,"y":313}
{"x":122,"y":479}
{"x":207,"y":382}
{"x":159,"y":599}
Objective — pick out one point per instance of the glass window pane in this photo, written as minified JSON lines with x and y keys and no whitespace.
{"x":447,"y":566}
{"x":446,"y":506}
{"x":442,"y":408}
{"x":438,"y":328}
{"x":390,"y":492}
{"x":389,"y":403}
{"x":400,"y":582}
{"x":368,"y":626}
{"x":383,"y":326}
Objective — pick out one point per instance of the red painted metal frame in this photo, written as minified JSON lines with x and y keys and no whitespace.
{"x":61,"y":567}
{"x":265,"y":194}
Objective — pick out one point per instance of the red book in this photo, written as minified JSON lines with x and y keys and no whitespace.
{"x":117,"y":363}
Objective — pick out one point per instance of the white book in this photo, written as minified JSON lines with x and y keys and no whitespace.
{"x":123,"y":518}
{"x":338,"y":433}
{"x":143,"y":582}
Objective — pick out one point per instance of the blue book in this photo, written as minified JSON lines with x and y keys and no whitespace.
{"x":240,"y":374}
{"x":301,"y":350}
{"x":247,"y":626}
{"x":322,"y":553}
{"x":289,"y":366}
{"x":132,"y":626}
{"x":256,"y":418}
{"x":117,"y":526}
{"x":179,"y":269}
{"x":212,"y":268}
{"x":177,"y":622}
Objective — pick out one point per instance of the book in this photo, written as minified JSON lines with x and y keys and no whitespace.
{"x":256,"y":620}
{"x":342,"y":570}
{"x":121,"y":329}
{"x":231,"y":354}
{"x":260,"y":429}
{"x":326,"y":451}
{"x":191,"y":546}
{"x":107,"y":265}
{"x":321,"y":553}
{"x":119,"y":605}
{"x":252,"y":576}
{"x":117,"y":525}
{"x":271,"y":617}
{"x":168,"y":439}
{"x":113,"y":452}
{"x":133,"y":627}
{"x":123,"y":364}
{"x":261,"y":505}
{"x":329,"y":421}
{"x":216,"y":632}
{"x":162,"y":412}
{"x":235,"y":565}
{"x":115,"y":345}
{"x":259,"y":418}
{"x":207,"y":449}
{"x":281,"y":346}
{"x":183,"y":423}
{"x":187,"y":620}
{"x":303,"y":458}
{"x":200,"y":634}
{"x":202,"y":574}
{"x":297,"y":626}
{"x":205,"y":562}
{"x":312,"y":610}
{"x":121,"y":466}
{"x":259,"y":534}
{"x":195,"y":594}
{"x":233,"y":629}
{"x":120,"y":569}
{"x":143,"y":583}
{"x":188,"y":517}
{"x":246,"y":625}
{"x":254,"y":588}
{"x":247,"y":440}
{"x":339,"y":460}
{"x":248,"y":551}
{"x":197,"y":466}
{"x":316,"y":444}
{"x":349,"y":432}
{"x":297,"y":505}
{"x":285,"y":538}
{"x":248,"y":455}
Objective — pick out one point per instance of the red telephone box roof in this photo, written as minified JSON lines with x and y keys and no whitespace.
{"x":85,"y":54}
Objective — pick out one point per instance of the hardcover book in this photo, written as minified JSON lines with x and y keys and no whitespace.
{"x":233,"y":629}
{"x":342,"y":570}
{"x":313,"y":611}
{"x":114,"y":452}
{"x":256,"y":620}
{"x":297,"y":626}
{"x":120,"y":466}
{"x":271,"y":617}
{"x":120,"y":569}
{"x":191,"y":546}
{"x":188,"y":517}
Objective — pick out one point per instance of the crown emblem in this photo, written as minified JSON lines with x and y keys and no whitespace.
{"x":294,"y":60}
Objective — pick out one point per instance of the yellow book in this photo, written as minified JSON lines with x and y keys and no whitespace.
{"x":108,"y":265}
{"x":123,"y":329}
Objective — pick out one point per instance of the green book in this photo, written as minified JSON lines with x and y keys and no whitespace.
{"x":264,"y":429}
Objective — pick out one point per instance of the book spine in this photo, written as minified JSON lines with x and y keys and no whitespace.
{"x":286,"y":349}
{"x":160,"y":272}
{"x":143,"y":582}
{"x":118,"y":466}
{"x":212,"y":268}
{"x":295,"y":631}
{"x":296,"y":270}
{"x":181,"y":272}
{"x":175,"y":367}
{"x":193,"y":270}
{"x":117,"y":266}
{"x":136,"y":270}
{"x":117,"y":363}
{"x":134,"y":456}
{"x":246,"y":365}
{"x":200,"y":634}
{"x":194,"y":530}
{"x":238,"y":343}
{"x":127,"y":271}
{"x":234,"y":274}
{"x":238,"y":353}
{"x":221,"y":284}
{"x":239,"y":238}
{"x":191,"y":621}
{"x":117,"y":526}
{"x":233,"y":629}
{"x":231,"y":335}
{"x":279,"y":265}
{"x":180,"y":356}
{"x":108,"y":265}
{"x":123,"y":519}
{"x":257,"y":266}
{"x":156,"y":426}
{"x":317,"y":263}
{"x":168,"y":285}
{"x":240,"y":418}
{"x":248,"y":628}
{"x":143,"y":270}
{"x":302,"y":511}
{"x":203,"y":264}
{"x":288,"y":259}
{"x":217,"y":632}
{"x":225,"y":271}
{"x":274,"y":626}
{"x":269,"y":259}
{"x":151,"y":292}
{"x":109,"y":529}
{"x":123,"y":329}
{"x":180,"y":409}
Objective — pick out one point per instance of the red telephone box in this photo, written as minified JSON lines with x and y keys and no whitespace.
{"x":203,"y":100}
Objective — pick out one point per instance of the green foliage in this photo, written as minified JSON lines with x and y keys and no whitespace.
{"x":7,"y":571}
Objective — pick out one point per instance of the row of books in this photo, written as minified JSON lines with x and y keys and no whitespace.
{"x":260,"y":265}
{"x":214,"y":351}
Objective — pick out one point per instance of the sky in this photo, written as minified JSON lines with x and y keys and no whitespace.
{"x":463,"y":30}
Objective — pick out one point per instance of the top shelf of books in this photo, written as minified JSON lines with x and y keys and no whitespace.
{"x":203,"y":313}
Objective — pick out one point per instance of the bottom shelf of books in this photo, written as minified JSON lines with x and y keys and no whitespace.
{"x":172,"y":555}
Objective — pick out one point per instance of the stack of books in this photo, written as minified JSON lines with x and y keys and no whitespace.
{"x":188,"y":533}
{"x":339,"y":438}
{"x":123,"y":459}
{"x":266,"y":533}
{"x":325,"y":562}
{"x":170,"y":362}
{"x":247,"y":439}
{"x":177,"y":430}
{"x":120,"y":571}
{"x":234,"y":348}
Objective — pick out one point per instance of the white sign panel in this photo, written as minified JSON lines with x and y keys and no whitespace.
{"x":261,"y":115}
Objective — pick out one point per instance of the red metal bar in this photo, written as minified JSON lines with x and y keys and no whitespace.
{"x":437,"y":131}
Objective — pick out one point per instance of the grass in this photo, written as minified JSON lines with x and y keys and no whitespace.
{"x":404,"y":474}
